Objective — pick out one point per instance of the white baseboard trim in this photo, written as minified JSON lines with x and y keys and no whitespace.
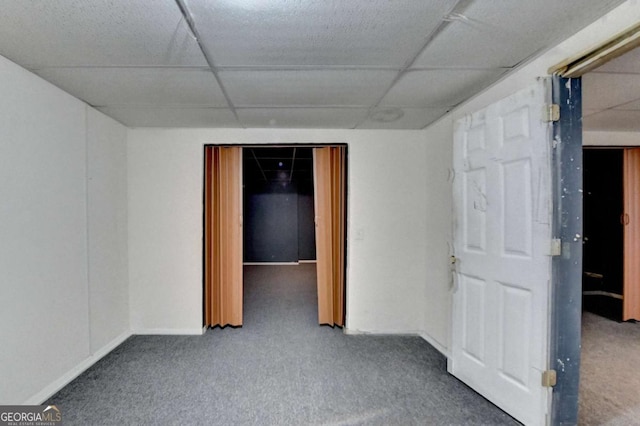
{"x":66,"y":378}
{"x":169,"y":331}
{"x":382,"y":332}
{"x":308,"y":261}
{"x":439,"y":346}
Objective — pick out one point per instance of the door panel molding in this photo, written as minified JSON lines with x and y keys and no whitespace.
{"x":502,"y":236}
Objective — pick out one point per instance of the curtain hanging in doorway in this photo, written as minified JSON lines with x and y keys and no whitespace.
{"x":223,"y":236}
{"x":330,"y":208}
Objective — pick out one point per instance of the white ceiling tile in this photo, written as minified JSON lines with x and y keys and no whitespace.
{"x":438,"y":88}
{"x":138,"y":86}
{"x":96,"y":33}
{"x":473,"y":46}
{"x":312,"y":88}
{"x":172,"y":117}
{"x":501,"y":33}
{"x":613,"y":120}
{"x":602,"y":90}
{"x":412,"y":118}
{"x":338,"y":118}
{"x":316,"y":32}
{"x":587,"y":112}
{"x":110,"y":53}
{"x":631,"y":106}
{"x":627,"y":63}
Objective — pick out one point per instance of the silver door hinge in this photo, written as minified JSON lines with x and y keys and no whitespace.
{"x":556,"y":247}
{"x":551,"y":113}
{"x":549,"y":378}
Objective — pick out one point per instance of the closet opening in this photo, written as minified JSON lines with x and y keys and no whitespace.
{"x":603,"y":254}
{"x":275,"y":215}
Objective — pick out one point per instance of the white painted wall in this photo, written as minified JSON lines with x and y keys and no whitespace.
{"x":399,"y":276}
{"x":437,"y":321}
{"x":393,"y":195}
{"x":108,"y":254}
{"x":46,"y":223}
{"x":598,"y":138}
{"x":437,"y":292}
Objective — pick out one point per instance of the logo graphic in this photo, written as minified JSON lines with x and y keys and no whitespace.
{"x":30,"y":415}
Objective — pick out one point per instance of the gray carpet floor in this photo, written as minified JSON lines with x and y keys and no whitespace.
{"x":279,"y":368}
{"x":609,"y":372}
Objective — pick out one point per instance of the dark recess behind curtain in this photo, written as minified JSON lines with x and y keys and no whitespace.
{"x":278,"y":216}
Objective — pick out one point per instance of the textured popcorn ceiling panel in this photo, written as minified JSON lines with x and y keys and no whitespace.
{"x":627,"y":63}
{"x":631,"y":106}
{"x":316,"y":32}
{"x":172,"y":117}
{"x":339,"y":118}
{"x":602,"y":91}
{"x":96,"y":32}
{"x":312,"y":88}
{"x":342,"y":61}
{"x":411,"y":118}
{"x":438,"y":88}
{"x":613,"y":120}
{"x":502,"y":33}
{"x":138,"y":86}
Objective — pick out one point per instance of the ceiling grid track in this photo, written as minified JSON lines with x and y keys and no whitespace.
{"x":259,"y":165}
{"x":293,"y":161}
{"x":365,"y":64}
{"x":457,"y":9}
{"x":207,"y":56}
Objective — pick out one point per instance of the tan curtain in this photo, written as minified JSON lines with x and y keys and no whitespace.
{"x":631,"y":221}
{"x":330,"y":208}
{"x":223,"y":236}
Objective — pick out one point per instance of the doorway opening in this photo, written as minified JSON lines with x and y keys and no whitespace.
{"x":597,"y":97}
{"x":610,"y":334}
{"x":279,"y":235}
{"x":278,"y":205}
{"x":273,"y":208}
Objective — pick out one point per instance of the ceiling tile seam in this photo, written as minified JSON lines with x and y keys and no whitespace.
{"x":259,"y":166}
{"x":457,"y":68}
{"x":482,"y":90}
{"x":598,"y":111}
{"x":624,"y":104}
{"x":618,"y":107}
{"x":192,"y":26}
{"x":436,"y":119}
{"x":162,"y":106}
{"x":280,"y":68}
{"x":293,"y":160}
{"x":614,"y":72}
{"x":256,"y":68}
{"x":459,"y":7}
{"x":124,"y":67}
{"x":300,"y":106}
{"x":341,"y":107}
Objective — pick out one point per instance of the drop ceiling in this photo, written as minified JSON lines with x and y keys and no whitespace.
{"x":280,"y":166}
{"x":611,"y":95}
{"x":379,"y":64}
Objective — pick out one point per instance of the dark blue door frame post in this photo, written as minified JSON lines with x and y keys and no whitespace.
{"x":566,"y":303}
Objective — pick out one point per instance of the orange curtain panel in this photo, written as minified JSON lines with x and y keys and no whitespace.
{"x":330,"y":209}
{"x":631,"y":221}
{"x":223,"y":236}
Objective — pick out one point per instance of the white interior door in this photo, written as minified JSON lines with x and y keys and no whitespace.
{"x":502,"y":241}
